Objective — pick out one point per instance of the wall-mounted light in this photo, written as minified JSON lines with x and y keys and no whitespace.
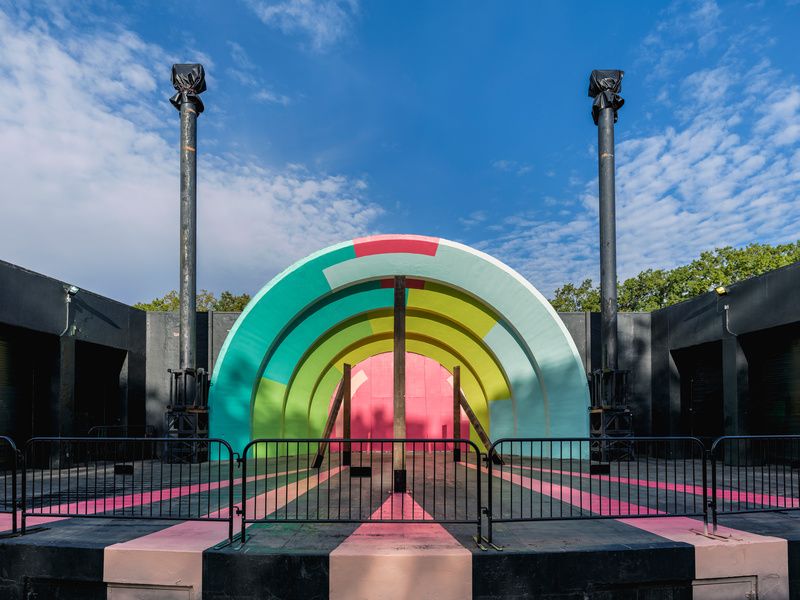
{"x":70,"y":291}
{"x":721,"y":290}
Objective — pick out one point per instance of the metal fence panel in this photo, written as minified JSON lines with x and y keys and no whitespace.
{"x":755,"y":473}
{"x":9,"y":474}
{"x":325,"y":481}
{"x":134,"y":478}
{"x":591,"y":478}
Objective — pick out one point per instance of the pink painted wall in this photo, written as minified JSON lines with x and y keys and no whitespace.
{"x":429,"y":399}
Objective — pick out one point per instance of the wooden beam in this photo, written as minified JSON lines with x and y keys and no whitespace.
{"x":399,"y":420}
{"x":476,"y":425}
{"x":346,"y":397}
{"x":326,"y":434}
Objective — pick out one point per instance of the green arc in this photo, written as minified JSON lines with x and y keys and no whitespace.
{"x":282,"y":359}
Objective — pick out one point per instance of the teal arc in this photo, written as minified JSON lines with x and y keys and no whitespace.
{"x":283,"y":357}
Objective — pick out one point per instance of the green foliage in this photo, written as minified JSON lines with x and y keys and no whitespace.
{"x":654,"y":289}
{"x":572,"y":298}
{"x":206,"y":301}
{"x":169,"y":302}
{"x":231,"y":302}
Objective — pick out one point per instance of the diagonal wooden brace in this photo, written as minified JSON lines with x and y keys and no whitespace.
{"x":326,"y":434}
{"x":476,"y":425}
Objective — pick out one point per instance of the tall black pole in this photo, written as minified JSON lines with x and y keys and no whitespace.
{"x":189,"y":81}
{"x":399,"y":404}
{"x":604,"y":87}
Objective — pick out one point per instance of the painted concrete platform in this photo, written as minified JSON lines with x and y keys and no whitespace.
{"x":597,"y":559}
{"x":752,"y":556}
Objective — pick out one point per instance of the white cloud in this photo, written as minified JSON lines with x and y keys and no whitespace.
{"x":325,"y":22}
{"x":270,"y":97}
{"x":727,"y":174}
{"x":512,"y":166}
{"x":474,"y":218}
{"x":89,"y":170}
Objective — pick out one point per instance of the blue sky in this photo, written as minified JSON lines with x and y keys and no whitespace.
{"x":332,"y":119}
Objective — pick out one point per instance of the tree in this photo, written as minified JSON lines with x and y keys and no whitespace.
{"x":571,"y":298}
{"x":168,"y":302}
{"x":228,"y":301}
{"x":657,"y":288}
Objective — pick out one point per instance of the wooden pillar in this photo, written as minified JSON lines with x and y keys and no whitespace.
{"x":456,"y":413}
{"x":399,"y":452}
{"x":346,"y":394}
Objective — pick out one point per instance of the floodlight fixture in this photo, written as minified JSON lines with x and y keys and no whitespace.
{"x":721,"y":290}
{"x":189,"y":82}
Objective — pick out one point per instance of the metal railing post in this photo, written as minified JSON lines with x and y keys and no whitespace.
{"x":706,"y":458}
{"x":244,"y":491}
{"x":231,"y":510}
{"x":14,"y":466}
{"x":489,"y":490}
{"x":23,"y":503}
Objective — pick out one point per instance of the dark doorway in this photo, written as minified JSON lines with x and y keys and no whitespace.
{"x":28,"y":364}
{"x":98,"y":400}
{"x":700,"y":369}
{"x":773,"y":357}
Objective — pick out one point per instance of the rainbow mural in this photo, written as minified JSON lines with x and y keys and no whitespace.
{"x":283,"y":358}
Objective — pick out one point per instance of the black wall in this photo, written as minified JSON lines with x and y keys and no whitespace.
{"x":54,"y":382}
{"x":757,"y":346}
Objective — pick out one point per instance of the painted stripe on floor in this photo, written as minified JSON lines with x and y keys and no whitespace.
{"x":113,"y":503}
{"x":6,"y":521}
{"x":733,"y":565}
{"x":173,"y":557}
{"x":581,"y":499}
{"x":740,"y":556}
{"x":732,"y":496}
{"x":388,"y":561}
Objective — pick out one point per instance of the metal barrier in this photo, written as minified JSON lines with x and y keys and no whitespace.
{"x":352,"y":481}
{"x":9,"y":472}
{"x":542,"y":479}
{"x":133,"y":478}
{"x":355,"y":480}
{"x":755,"y":473}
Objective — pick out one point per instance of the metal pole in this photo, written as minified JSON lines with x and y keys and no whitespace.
{"x":399,"y":454}
{"x":604,"y":87}
{"x":189,"y":81}
{"x":188,"y":246}
{"x":608,"y":239}
{"x":456,"y":413}
{"x":346,"y":397}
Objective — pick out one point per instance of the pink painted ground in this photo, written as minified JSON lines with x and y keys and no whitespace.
{"x":429,"y":399}
{"x":733,"y":496}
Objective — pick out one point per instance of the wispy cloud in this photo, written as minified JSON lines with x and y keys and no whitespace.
{"x":727,"y":174}
{"x":323,"y":22}
{"x":89,"y":170}
{"x":512,"y":166}
{"x":474,"y":218}
{"x":246,"y":73}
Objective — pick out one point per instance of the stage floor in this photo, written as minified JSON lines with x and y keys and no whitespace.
{"x":653,"y":557}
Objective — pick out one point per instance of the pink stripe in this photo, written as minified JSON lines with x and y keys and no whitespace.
{"x":174,"y":537}
{"x":584,"y":500}
{"x":106,"y":503}
{"x":697,"y":490}
{"x":400,"y":560}
{"x":389,"y":244}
